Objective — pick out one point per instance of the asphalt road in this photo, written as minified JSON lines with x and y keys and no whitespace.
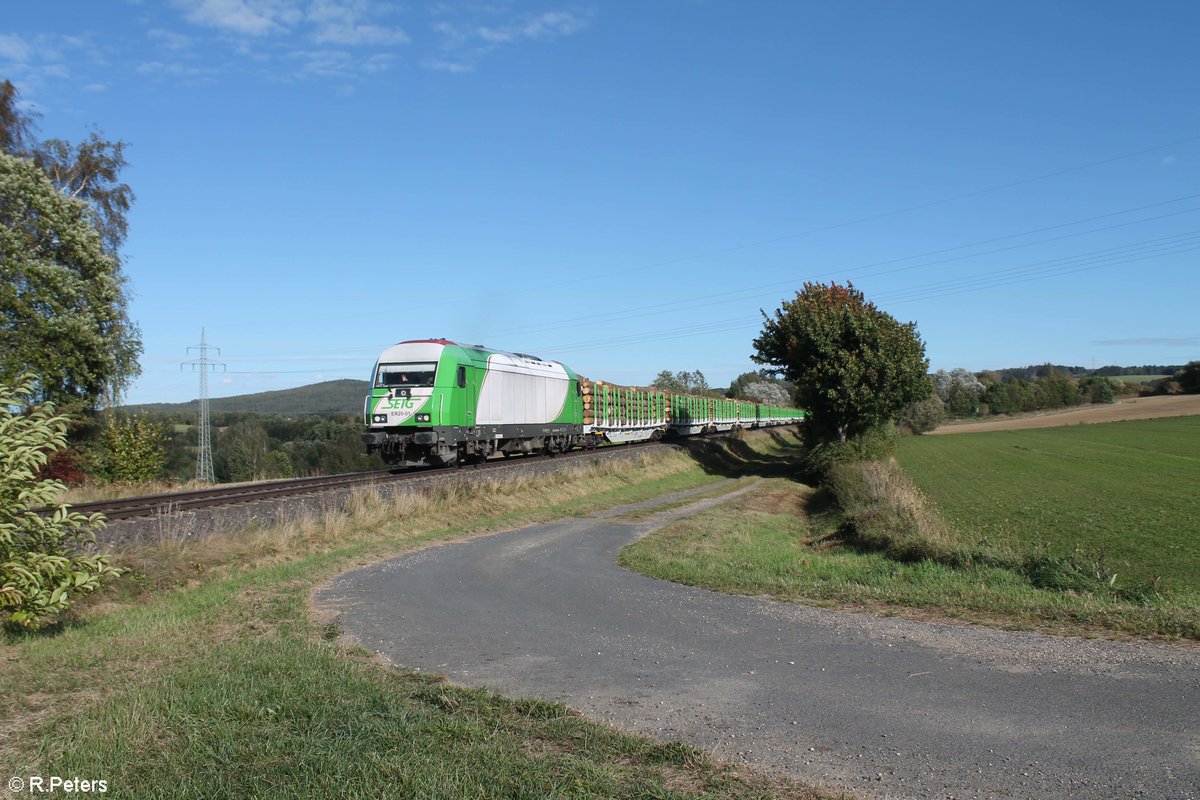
{"x":879,"y":707}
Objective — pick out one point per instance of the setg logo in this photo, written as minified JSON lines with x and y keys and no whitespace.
{"x":399,"y":409}
{"x":400,"y":404}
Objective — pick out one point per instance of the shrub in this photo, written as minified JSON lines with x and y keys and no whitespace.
{"x":67,"y":466}
{"x":41,"y":567}
{"x":924,"y":416}
{"x":822,"y":455}
{"x":133,"y":450}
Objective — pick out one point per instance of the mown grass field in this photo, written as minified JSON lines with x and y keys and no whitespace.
{"x":205,"y":674}
{"x":1129,"y":490}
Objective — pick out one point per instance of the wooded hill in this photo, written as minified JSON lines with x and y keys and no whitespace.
{"x":327,"y":399}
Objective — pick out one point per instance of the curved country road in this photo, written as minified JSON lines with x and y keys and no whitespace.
{"x":879,"y":707}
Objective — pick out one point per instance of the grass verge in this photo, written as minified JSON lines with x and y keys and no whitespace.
{"x":205,"y":674}
{"x":874,"y":540}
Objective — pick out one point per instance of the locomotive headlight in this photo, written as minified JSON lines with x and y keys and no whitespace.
{"x":379,"y":418}
{"x":424,"y":418}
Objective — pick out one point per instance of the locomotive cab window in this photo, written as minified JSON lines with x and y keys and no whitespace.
{"x":462,"y":377}
{"x":405,"y":374}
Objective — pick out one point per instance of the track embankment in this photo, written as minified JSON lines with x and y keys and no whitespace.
{"x":184,"y":516}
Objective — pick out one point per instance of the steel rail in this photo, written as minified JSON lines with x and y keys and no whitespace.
{"x":125,"y":507}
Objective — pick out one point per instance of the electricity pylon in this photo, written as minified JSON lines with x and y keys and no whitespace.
{"x":204,"y":464}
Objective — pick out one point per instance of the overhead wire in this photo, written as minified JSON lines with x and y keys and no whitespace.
{"x":1097,"y":259}
{"x":750,"y":292}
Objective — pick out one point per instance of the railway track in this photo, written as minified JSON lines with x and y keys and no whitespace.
{"x":149,"y":505}
{"x":172,"y":502}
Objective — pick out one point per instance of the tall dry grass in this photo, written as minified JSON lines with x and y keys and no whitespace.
{"x":369,"y":518}
{"x":885,"y":511}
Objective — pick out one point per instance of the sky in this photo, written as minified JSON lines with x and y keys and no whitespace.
{"x":626,"y":186}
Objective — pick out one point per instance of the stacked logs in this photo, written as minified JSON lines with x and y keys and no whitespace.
{"x":589,"y":400}
{"x":591,"y":390}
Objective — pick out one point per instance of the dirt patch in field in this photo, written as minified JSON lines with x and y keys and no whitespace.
{"x":1138,"y":408}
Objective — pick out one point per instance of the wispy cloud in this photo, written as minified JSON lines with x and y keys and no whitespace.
{"x":444,"y":65}
{"x":347,"y":23}
{"x":468,"y":34}
{"x":343,"y":22}
{"x":551,"y":25}
{"x":1186,"y":341}
{"x":170,"y":40}
{"x":322,"y":37}
{"x":189,"y":72}
{"x":32,"y":61}
{"x":14,"y":49}
{"x":245,"y":17}
{"x":198,"y":41}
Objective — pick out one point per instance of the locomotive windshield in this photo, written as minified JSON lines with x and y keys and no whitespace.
{"x":405,"y":374}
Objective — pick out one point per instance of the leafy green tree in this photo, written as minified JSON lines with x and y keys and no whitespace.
{"x":1188,"y":378}
{"x":242,"y":451}
{"x":88,"y":171}
{"x":16,"y":127}
{"x":62,"y":304}
{"x":1056,"y":389}
{"x":42,"y":569}
{"x":855,"y":368}
{"x":961,"y":401}
{"x":281,"y":464}
{"x":237,"y":463}
{"x":1099,"y":389}
{"x":682,"y":382}
{"x":62,"y":309}
{"x":133,"y":450}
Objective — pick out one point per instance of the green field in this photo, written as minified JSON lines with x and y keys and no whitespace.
{"x":1129,"y":490}
{"x":1139,"y":378}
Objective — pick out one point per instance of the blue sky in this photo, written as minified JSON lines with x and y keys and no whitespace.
{"x":623,"y":185}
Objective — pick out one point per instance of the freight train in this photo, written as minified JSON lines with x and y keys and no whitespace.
{"x":435,"y":402}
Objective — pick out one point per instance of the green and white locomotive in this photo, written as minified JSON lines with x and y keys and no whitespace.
{"x":437,"y":402}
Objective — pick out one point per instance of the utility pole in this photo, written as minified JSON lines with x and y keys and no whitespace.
{"x":204,"y":464}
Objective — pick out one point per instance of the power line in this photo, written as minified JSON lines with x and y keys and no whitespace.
{"x":719,"y":298}
{"x":1097,"y":259}
{"x":590,"y":276}
{"x":884,"y":214}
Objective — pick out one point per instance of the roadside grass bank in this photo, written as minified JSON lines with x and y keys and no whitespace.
{"x":204,"y":672}
{"x":871,"y":539}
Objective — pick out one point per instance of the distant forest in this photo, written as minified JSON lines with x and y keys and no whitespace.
{"x":961,"y":393}
{"x":1035,"y":371}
